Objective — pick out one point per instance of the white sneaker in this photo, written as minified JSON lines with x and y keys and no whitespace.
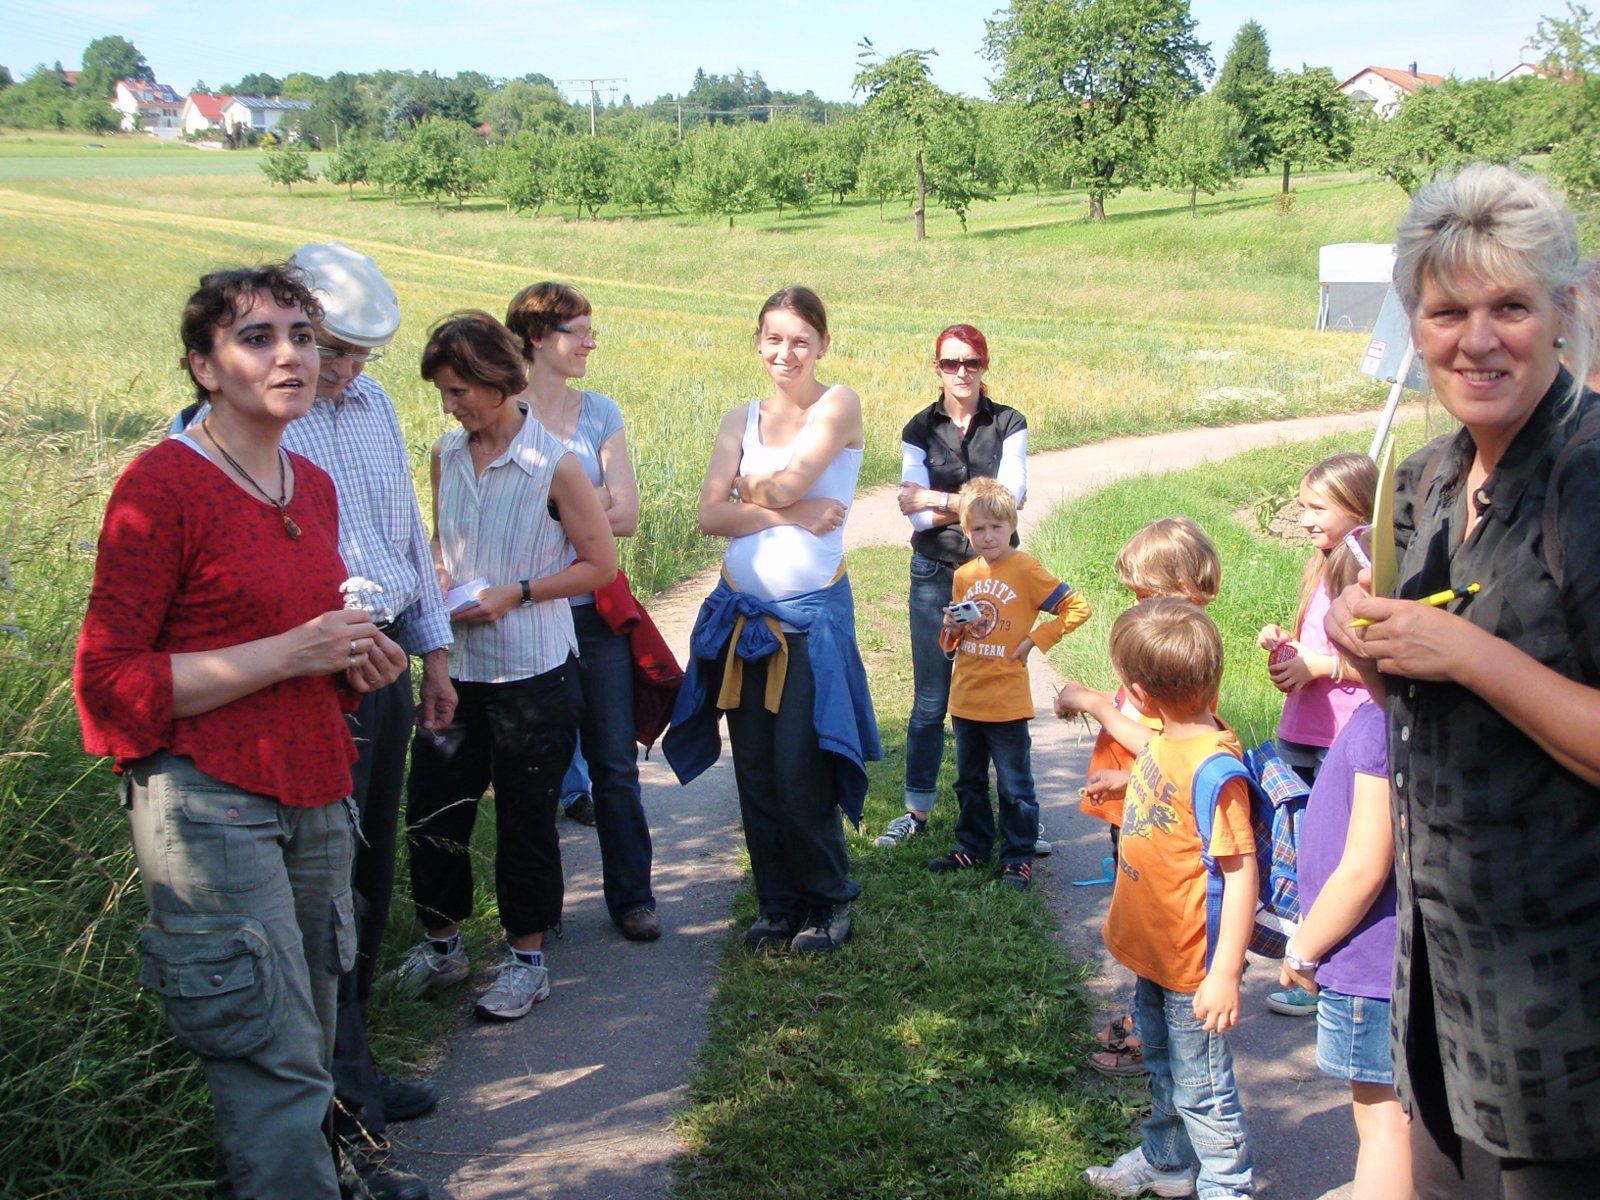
{"x":1041,"y":847}
{"x":517,"y":988}
{"x":425,"y":969}
{"x":1132,"y":1175}
{"x":900,"y":829}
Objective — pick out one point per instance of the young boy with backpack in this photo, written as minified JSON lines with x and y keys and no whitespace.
{"x":1168,"y":655}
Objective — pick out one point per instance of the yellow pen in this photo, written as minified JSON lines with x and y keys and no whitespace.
{"x":1433,"y":601}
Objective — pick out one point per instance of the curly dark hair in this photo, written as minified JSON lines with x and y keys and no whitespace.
{"x":218,"y":301}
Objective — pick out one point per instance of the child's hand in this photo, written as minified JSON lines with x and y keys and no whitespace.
{"x":1103,"y":785}
{"x":951,"y":625}
{"x":1216,"y":1003}
{"x":1072,"y":699}
{"x":1289,"y":977}
{"x":1289,"y":675}
{"x":1020,"y":654}
{"x":1270,"y":636}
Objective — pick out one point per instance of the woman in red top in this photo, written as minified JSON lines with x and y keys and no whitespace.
{"x":215,"y":663}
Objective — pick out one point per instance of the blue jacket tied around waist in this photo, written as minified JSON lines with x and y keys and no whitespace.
{"x":846,"y":727}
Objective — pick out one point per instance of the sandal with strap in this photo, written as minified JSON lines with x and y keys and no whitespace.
{"x":1119,"y":1059}
{"x":1118,"y":1029}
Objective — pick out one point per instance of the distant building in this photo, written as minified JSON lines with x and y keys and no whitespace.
{"x":152,"y":107}
{"x":1381,"y":89}
{"x":258,"y":114}
{"x":202,"y":113}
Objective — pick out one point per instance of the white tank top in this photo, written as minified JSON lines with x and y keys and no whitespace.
{"x":788,"y":560}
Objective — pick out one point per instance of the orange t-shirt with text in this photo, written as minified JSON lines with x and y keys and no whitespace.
{"x":1157,"y":923}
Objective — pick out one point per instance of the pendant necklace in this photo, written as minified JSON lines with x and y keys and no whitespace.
{"x":282,"y":502}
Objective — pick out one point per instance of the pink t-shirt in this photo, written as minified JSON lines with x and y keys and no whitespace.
{"x":1315,"y":714}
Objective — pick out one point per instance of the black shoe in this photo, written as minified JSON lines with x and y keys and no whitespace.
{"x":406,"y":1099}
{"x":581,"y":810}
{"x":825,"y":931}
{"x":385,"y":1176}
{"x":772,"y":932}
{"x":956,"y":860}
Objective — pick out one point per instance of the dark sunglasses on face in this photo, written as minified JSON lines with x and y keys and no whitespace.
{"x":951,"y":366}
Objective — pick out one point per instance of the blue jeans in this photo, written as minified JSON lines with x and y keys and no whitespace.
{"x":250,"y":928}
{"x":1009,"y":745}
{"x":575,"y":784}
{"x":605,"y":669}
{"x":931,"y":583}
{"x":1195,"y":1112}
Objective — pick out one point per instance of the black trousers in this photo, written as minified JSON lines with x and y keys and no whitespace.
{"x":519,"y":736}
{"x":382,"y":728}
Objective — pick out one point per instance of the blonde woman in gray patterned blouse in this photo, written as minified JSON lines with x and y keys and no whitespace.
{"x":1494,"y":703}
{"x":518,"y":529}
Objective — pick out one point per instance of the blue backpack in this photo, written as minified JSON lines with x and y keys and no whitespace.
{"x":1277,"y":805}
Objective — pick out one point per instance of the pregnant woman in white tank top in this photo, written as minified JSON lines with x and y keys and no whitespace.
{"x":779,"y":484}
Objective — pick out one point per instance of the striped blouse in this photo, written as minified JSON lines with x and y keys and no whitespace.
{"x":497,"y":526}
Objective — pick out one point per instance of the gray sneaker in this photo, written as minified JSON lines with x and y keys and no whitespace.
{"x":425,"y":969}
{"x":900,"y":829}
{"x":517,"y":988}
{"x":825,"y":930}
{"x":1132,"y":1175}
{"x":1041,"y":847}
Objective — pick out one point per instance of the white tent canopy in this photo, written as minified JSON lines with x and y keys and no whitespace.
{"x":1354,"y":279}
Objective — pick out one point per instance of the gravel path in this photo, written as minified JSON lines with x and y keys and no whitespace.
{"x":578,"y":1098}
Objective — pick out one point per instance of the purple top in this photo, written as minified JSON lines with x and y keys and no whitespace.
{"x":1363,"y":963}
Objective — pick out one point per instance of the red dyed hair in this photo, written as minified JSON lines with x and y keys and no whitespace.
{"x":968,"y":334}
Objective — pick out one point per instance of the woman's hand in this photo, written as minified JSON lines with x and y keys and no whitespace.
{"x":333,"y":642}
{"x":818,"y":515}
{"x":380,"y":665}
{"x":1414,"y":640}
{"x":915,"y":498}
{"x":493,"y":603}
{"x":1271,"y":636}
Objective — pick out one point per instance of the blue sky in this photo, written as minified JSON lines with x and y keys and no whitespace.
{"x":656,"y":46}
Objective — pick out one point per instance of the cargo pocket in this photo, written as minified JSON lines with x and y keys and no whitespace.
{"x":344,"y":932}
{"x":230,"y":835}
{"x":217,"y":981}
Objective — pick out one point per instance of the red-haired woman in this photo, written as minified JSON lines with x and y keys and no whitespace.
{"x":960,"y":436}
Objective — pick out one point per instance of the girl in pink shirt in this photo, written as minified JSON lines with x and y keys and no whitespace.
{"x":1336,"y":496}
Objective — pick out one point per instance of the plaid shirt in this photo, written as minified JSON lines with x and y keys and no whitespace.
{"x":1497,"y":967}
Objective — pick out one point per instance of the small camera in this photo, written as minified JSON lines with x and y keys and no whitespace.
{"x":965,"y":611}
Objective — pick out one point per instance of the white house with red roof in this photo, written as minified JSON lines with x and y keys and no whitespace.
{"x":1381,"y":89}
{"x":152,"y":107}
{"x":202,"y":113}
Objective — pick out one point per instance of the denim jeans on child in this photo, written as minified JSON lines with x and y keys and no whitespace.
{"x":1009,"y":746}
{"x":931,"y":582}
{"x":250,"y":927}
{"x":1196,"y":1117}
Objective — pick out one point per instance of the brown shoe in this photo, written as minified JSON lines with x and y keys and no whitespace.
{"x":581,"y":810}
{"x":641,"y":925}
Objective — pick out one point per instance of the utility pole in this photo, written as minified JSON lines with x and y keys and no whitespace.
{"x":594,"y":86}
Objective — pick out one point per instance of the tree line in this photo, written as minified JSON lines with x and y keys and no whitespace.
{"x":1100,"y":95}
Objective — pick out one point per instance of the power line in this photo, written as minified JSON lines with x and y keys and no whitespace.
{"x":594,"y":86}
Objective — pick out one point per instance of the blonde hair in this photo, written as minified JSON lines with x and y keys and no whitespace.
{"x":1492,"y":224}
{"x":1171,"y":557}
{"x":1349,"y":482}
{"x":989,"y":497}
{"x":1171,"y":649}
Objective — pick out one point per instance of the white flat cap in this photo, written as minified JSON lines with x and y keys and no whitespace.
{"x":358,"y":305}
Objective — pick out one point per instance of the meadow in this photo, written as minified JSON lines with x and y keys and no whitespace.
{"x":1151,"y":320}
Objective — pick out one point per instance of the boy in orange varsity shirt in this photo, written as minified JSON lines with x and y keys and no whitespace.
{"x":1169,"y":656}
{"x":990,"y":701}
